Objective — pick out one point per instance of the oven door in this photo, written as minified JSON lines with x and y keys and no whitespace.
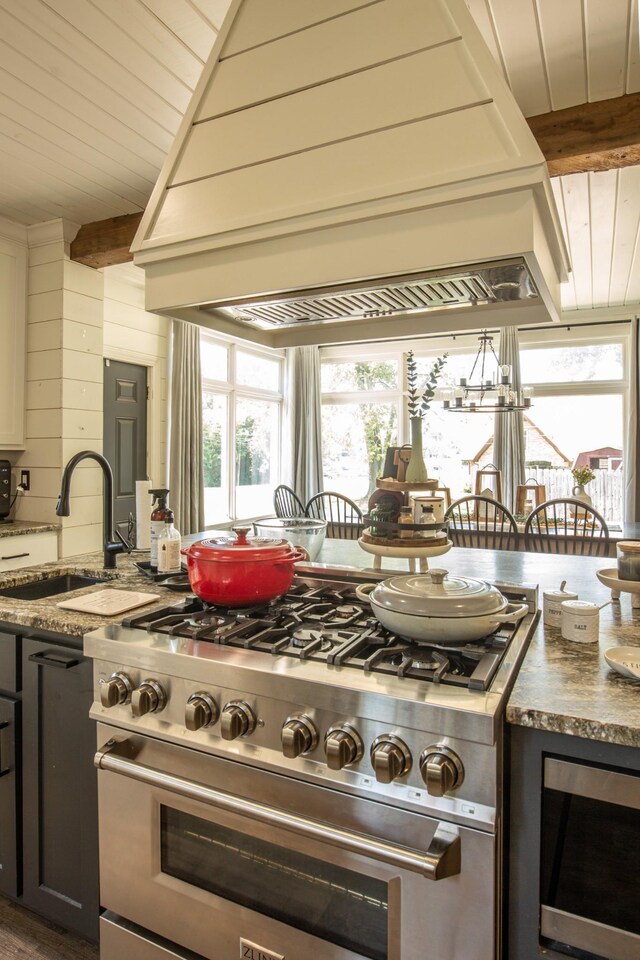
{"x":590,"y":891}
{"x":227,"y":860}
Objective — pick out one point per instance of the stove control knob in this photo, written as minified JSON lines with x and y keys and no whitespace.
{"x":299,"y":736}
{"x":390,"y":758}
{"x":117,"y":689}
{"x":148,"y":698}
{"x":201,"y":711}
{"x":236,"y":720}
{"x":441,"y":769}
{"x":342,"y":746}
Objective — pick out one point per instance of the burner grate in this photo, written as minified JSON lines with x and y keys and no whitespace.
{"x":327,"y":622}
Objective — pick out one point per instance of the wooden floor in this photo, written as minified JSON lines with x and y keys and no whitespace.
{"x":25,"y":936}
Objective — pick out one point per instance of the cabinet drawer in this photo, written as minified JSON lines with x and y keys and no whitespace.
{"x":28,"y":550}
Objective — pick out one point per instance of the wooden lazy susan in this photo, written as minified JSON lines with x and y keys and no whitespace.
{"x":416,"y":550}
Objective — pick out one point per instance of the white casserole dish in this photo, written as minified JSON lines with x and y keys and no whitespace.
{"x":437,"y":608}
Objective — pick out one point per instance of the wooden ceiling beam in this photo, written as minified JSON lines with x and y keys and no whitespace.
{"x":604,"y":135}
{"x":590,"y":137}
{"x":105,"y":242}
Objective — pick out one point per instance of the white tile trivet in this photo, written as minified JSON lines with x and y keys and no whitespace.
{"x":108,"y":603}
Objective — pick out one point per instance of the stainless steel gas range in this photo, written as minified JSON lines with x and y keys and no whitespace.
{"x":294,"y":781}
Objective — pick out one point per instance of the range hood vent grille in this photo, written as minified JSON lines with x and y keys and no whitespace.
{"x":489,"y":283}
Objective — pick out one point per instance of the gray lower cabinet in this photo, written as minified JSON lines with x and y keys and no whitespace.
{"x":574,"y":837}
{"x":60,"y":822}
{"x":9,"y":798}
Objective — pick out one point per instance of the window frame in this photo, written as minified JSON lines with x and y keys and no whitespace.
{"x":234,"y":391}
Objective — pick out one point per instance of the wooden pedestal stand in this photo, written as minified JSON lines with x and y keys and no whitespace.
{"x":406,"y":488}
{"x":412,"y":549}
{"x":409,"y":550}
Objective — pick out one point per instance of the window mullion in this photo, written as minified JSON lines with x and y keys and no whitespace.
{"x":231,"y":454}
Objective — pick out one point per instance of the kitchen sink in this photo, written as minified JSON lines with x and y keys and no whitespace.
{"x":39,"y":589}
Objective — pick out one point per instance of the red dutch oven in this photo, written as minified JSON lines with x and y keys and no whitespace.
{"x":240,"y":572}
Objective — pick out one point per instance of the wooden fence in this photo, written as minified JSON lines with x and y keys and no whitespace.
{"x":606,"y":489}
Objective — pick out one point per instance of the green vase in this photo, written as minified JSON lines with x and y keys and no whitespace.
{"x":416,"y":468}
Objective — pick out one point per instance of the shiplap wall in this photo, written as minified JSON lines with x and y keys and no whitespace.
{"x":64,"y":388}
{"x":135,"y":336}
{"x":76,"y":316}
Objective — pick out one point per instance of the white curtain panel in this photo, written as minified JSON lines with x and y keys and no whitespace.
{"x":508,"y":430}
{"x":305,"y":423}
{"x":186,"y":479}
{"x":632,"y":442}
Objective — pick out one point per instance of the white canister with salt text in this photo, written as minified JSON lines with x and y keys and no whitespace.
{"x":580,"y":621}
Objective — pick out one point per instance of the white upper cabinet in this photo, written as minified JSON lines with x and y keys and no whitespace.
{"x":13,"y":289}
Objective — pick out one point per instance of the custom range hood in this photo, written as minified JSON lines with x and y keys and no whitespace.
{"x":352,"y":171}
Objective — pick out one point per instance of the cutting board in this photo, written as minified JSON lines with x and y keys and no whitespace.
{"x":108,"y":603}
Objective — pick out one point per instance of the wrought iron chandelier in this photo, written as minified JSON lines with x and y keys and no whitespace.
{"x":490,"y":394}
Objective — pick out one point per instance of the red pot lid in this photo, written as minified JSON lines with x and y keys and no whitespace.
{"x":240,"y":547}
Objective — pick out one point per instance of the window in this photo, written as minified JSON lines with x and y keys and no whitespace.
{"x":361,"y":408}
{"x":242,"y":416}
{"x":577,"y":414}
{"x":364,"y":412}
{"x":578,"y":410}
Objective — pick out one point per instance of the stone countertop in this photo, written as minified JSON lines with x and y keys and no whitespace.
{"x":44,"y":615}
{"x":562,"y":686}
{"x":19,"y":527}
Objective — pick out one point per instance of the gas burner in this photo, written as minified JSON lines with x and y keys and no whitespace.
{"x":324,"y":640}
{"x":347,"y":610}
{"x":426,"y":664}
{"x":208,"y":618}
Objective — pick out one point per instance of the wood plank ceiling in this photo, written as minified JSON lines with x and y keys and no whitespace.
{"x":555,"y":54}
{"x":92,"y":93}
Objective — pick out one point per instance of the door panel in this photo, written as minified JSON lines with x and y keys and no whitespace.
{"x":60,"y":812}
{"x":125,"y":435}
{"x":9,"y":835}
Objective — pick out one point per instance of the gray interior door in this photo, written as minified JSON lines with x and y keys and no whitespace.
{"x":125,"y":435}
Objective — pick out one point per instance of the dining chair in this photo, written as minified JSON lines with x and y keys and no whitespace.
{"x":344,"y":517}
{"x":286,"y":502}
{"x":477,"y":521}
{"x":567,"y":526}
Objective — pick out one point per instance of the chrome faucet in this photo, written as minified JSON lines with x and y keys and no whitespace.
{"x":111,"y":547}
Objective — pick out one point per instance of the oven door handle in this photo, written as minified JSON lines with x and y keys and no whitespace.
{"x":440,"y":860}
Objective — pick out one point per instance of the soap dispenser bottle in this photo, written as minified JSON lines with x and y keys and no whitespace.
{"x":158,"y":518}
{"x":169,"y":544}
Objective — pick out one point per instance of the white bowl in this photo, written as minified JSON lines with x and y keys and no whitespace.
{"x":611,"y":579}
{"x":624,"y":660}
{"x":301,"y":531}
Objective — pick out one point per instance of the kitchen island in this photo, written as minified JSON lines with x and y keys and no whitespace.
{"x":564,"y":692}
{"x":562,"y":686}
